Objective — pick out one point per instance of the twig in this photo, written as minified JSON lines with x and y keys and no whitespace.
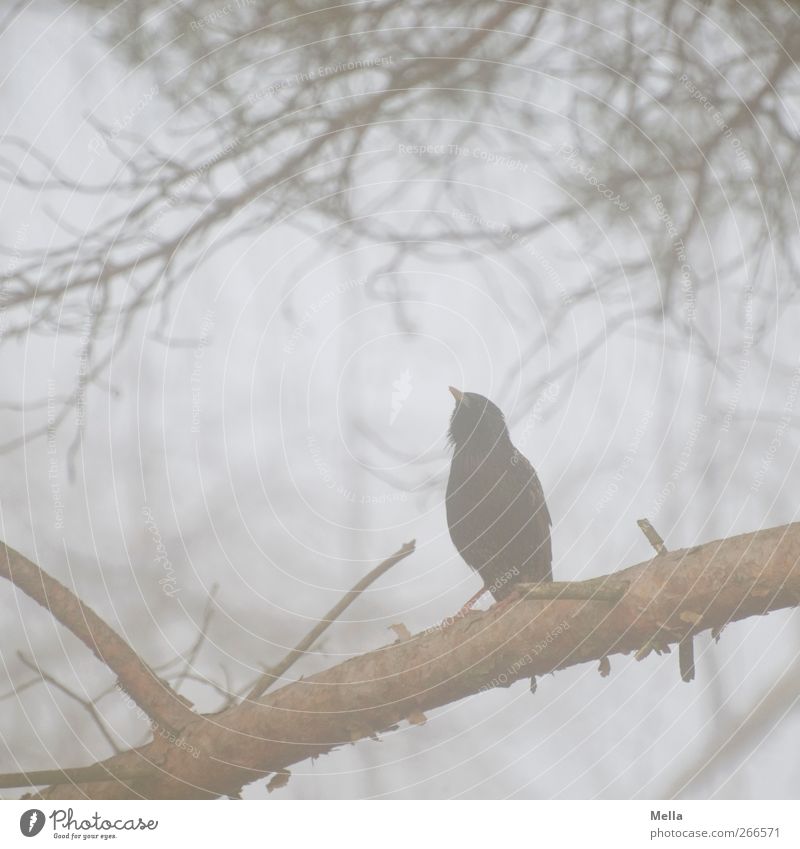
{"x":154,"y":696}
{"x":202,"y":636}
{"x":653,"y":537}
{"x":595,"y":589}
{"x":273,"y":674}
{"x":686,"y":645}
{"x":15,"y":691}
{"x":221,"y":691}
{"x":76,"y":775}
{"x":86,"y":704}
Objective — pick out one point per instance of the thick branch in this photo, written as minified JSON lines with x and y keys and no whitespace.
{"x":151,"y":694}
{"x":668,"y":597}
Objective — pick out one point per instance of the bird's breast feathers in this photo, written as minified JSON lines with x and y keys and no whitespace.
{"x":484,"y":491}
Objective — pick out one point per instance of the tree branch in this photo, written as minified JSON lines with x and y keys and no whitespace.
{"x":86,"y":704}
{"x":673,"y":594}
{"x":274,"y":674}
{"x":154,"y":696}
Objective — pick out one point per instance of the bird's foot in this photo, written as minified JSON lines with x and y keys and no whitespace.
{"x":506,"y":602}
{"x":471,"y":603}
{"x":467,"y":608}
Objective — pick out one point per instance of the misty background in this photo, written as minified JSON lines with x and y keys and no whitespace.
{"x":245,"y":249}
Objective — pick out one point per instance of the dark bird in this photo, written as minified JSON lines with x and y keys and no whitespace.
{"x":496,"y":511}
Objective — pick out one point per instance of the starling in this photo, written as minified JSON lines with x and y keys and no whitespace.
{"x":496,"y":512}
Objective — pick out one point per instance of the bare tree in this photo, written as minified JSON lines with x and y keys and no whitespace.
{"x":283,"y":116}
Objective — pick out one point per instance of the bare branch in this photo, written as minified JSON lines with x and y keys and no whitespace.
{"x":274,"y":674}
{"x":202,"y":636}
{"x":686,"y":644}
{"x":653,"y":536}
{"x":150,"y":693}
{"x":669,"y":596}
{"x":87,"y":704}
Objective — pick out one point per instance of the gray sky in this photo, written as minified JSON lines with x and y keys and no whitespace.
{"x":279,"y":424}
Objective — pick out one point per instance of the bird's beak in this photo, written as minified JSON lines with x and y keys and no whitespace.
{"x":456,"y":393}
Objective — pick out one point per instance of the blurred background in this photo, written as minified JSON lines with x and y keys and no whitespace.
{"x":246,"y":246}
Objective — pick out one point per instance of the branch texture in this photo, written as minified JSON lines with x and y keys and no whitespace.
{"x":154,"y":696}
{"x":668,"y":597}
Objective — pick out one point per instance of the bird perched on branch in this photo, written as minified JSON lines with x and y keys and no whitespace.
{"x":496,"y":512}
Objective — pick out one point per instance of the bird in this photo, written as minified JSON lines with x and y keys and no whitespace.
{"x":496,"y":510}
